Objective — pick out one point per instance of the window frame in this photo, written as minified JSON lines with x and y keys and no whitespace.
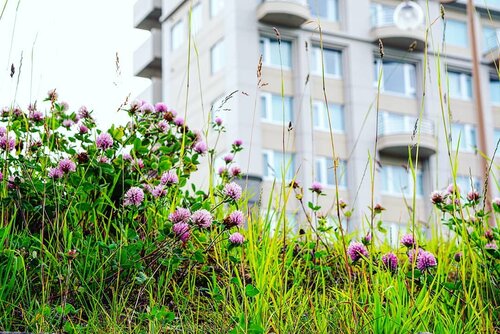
{"x":271,"y":165}
{"x":410,"y":91}
{"x":323,"y":119}
{"x":322,"y":165}
{"x":316,"y":54}
{"x":218,"y":44}
{"x":468,"y":131}
{"x":392,"y":191}
{"x":333,"y":7}
{"x":269,"y":113}
{"x":464,"y":93}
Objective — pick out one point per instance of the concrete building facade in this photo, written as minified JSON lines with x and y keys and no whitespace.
{"x":201,"y":51}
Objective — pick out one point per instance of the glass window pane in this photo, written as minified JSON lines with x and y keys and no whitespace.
{"x":330,"y":173}
{"x":263,"y":107}
{"x":456,"y":33}
{"x":217,"y":56}
{"x":196,"y":19}
{"x":332,"y":62}
{"x":265,"y":165}
{"x":394,"y":79}
{"x":454,"y":84}
{"x":337,"y":117}
{"x":319,"y":171}
{"x":276,"y":109}
{"x":495,"y":91}
{"x":472,"y":143}
{"x":176,"y":35}
{"x":317,"y":115}
{"x":489,"y":38}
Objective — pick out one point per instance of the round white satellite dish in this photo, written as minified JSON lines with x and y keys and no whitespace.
{"x":408,"y":15}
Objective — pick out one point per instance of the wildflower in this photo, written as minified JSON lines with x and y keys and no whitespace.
{"x":222,"y":171}
{"x":127,"y":157}
{"x":7,"y":144}
{"x":158,"y":191}
{"x":3,"y":131}
{"x":390,"y":261}
{"x":200,"y":147}
{"x":489,"y":235}
{"x":367,"y":239}
{"x":55,"y":173}
{"x":425,"y":260}
{"x":436,"y":197}
{"x":316,"y":187}
{"x":236,"y":238}
{"x":147,"y":108}
{"x":218,"y":121}
{"x":458,"y":256}
{"x":135,"y":105}
{"x":103,"y":159}
{"x":179,"y":121}
{"x":82,"y":129}
{"x":356,"y":251}
{"x":163,"y":126}
{"x":408,"y":241}
{"x":161,"y":107}
{"x":134,"y":196}
{"x":67,"y":123}
{"x":180,"y":215}
{"x":169,"y":115}
{"x":82,"y":157}
{"x":496,"y":201}
{"x":233,"y":191}
{"x":104,"y":141}
{"x":235,"y":171}
{"x":342,"y":204}
{"x":181,"y":230}
{"x":138,"y":164}
{"x":491,"y":245}
{"x":473,"y":196}
{"x":238,"y":142}
{"x":36,"y":116}
{"x":1,"y":176}
{"x":169,"y":178}
{"x":452,"y":189}
{"x":52,"y":94}
{"x":228,"y":158}
{"x":378,"y":208}
{"x":83,"y":112}
{"x":72,"y":253}
{"x":66,"y":165}
{"x":235,"y":218}
{"x":411,"y":254}
{"x":64,"y":106}
{"x":202,"y":218}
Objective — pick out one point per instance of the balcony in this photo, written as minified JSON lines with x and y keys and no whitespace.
{"x":147,"y":58}
{"x":491,"y":49}
{"x":384,"y":28}
{"x":290,"y":13}
{"x":147,"y":14}
{"x":396,"y":134}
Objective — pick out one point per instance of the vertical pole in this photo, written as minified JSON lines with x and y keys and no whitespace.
{"x":483,"y":146}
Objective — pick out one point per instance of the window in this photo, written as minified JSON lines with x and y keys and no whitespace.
{"x":497,"y":138}
{"x":381,"y":15}
{"x":398,"y":181}
{"x":177,"y":35}
{"x":274,"y":107}
{"x":217,"y":56}
{"x":325,"y":9}
{"x":397,"y":77}
{"x":196,"y":19}
{"x":460,"y":85}
{"x":467,"y":135}
{"x":490,"y":40}
{"x":332,"y":60}
{"x":495,"y":91}
{"x":325,"y":174}
{"x":456,"y":33}
{"x":488,"y":3}
{"x":320,"y":116}
{"x":271,"y":50}
{"x":275,"y":162}
{"x":464,"y":183}
{"x":215,"y":7}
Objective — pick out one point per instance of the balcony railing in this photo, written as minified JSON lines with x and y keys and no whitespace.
{"x":147,"y":14}
{"x":397,"y":133}
{"x":292,"y":13}
{"x":147,"y":58}
{"x":491,"y":47}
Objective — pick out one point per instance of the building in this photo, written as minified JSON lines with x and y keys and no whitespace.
{"x":227,"y":38}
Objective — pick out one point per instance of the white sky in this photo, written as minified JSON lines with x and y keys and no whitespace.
{"x":75,"y":43}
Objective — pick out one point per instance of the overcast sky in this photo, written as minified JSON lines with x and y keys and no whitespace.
{"x":70,"y":45}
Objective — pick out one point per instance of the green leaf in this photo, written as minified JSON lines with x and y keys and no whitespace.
{"x":380,"y":228}
{"x":251,"y":291}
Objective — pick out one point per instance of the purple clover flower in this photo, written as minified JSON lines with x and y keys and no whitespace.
{"x":316,"y":187}
{"x":1,"y":176}
{"x":7,"y":143}
{"x":127,"y":157}
{"x":437,"y":197}
{"x":458,"y":256}
{"x":452,"y":189}
{"x":238,"y":142}
{"x":134,"y":196}
{"x":67,"y":123}
{"x":218,"y":121}
{"x":55,"y":173}
{"x":83,"y":112}
{"x":36,"y":116}
{"x":473,"y":196}
{"x":367,"y":239}
{"x":182,"y":231}
{"x":236,"y":238}
{"x":147,"y":108}
{"x":169,"y":178}
{"x":181,"y":215}
{"x":158,"y":191}
{"x":200,"y":147}
{"x":407,"y":240}
{"x":202,"y":218}
{"x":64,"y":106}
{"x":103,"y":159}
{"x":235,"y":171}
{"x":491,"y":245}
{"x":235,"y":218}
{"x":222,"y":171}
{"x":233,"y":191}
{"x":161,"y":107}
{"x":179,"y":121}
{"x":104,"y":141}
{"x":425,"y":260}
{"x":356,"y":251}
{"x":390,"y":261}
{"x":3,"y":131}
{"x":163,"y":126}
{"x":228,"y":158}
{"x":66,"y":165}
{"x":82,"y":129}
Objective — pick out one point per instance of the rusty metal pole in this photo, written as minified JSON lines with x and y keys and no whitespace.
{"x":483,"y":145}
